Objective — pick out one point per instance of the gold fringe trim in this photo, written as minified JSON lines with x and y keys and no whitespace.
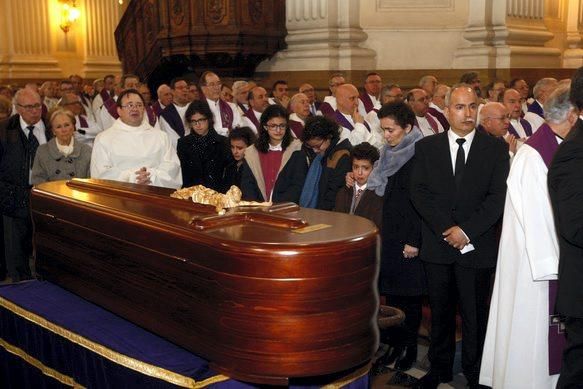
{"x":123,"y":360}
{"x":349,"y":378}
{"x":39,"y":365}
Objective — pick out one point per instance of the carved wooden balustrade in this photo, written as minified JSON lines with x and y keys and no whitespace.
{"x":160,"y":39}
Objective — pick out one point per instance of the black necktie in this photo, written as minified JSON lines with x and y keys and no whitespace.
{"x":460,"y":161}
{"x":32,"y":144}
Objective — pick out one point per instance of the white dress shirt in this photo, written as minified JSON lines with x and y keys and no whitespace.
{"x":453,"y":145}
{"x":219,"y":127}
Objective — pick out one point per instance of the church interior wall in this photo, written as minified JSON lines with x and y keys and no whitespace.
{"x":401,"y":39}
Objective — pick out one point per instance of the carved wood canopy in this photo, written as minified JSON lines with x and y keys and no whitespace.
{"x":161,"y":39}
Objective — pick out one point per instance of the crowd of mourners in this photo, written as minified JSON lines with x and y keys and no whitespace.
{"x":429,"y":166}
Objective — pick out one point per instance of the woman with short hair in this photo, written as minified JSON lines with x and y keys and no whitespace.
{"x":203,"y":153}
{"x":62,"y":157}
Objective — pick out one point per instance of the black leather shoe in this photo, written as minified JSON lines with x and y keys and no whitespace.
{"x":432,"y":379}
{"x":391,"y":355}
{"x":407,"y":358}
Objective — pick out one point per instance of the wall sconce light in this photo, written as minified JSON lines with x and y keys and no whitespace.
{"x":69,"y":14}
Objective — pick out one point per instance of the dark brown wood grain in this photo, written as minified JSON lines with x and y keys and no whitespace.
{"x":159,"y":39}
{"x":260,"y":302}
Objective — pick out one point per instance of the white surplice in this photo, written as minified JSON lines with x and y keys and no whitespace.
{"x":121,"y":150}
{"x":516,"y":348}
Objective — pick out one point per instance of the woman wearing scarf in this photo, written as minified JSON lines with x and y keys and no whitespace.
{"x":330,"y":161}
{"x":203,"y":153}
{"x":401,"y":279}
{"x":274,"y":168}
{"x":62,"y":157}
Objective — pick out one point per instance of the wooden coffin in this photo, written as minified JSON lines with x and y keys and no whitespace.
{"x":265,"y":294}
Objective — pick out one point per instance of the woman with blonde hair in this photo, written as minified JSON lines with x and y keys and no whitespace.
{"x":61,"y":158}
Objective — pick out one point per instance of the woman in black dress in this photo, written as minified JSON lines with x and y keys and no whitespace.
{"x":203,"y":154}
{"x":401,"y":280}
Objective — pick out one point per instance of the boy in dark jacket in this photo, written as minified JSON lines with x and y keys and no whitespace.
{"x":357,"y":200}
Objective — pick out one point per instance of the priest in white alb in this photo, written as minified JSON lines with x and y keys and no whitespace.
{"x":133,"y":151}
{"x":516,"y":349}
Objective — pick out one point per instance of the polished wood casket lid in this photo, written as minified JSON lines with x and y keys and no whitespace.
{"x":266,"y":294}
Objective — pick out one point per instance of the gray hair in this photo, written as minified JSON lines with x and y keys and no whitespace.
{"x":558,"y":105}
{"x":25,"y":91}
{"x":541,"y":84}
{"x":238,"y":85}
{"x":454,"y":88}
{"x":388,"y":88}
{"x":296,"y":97}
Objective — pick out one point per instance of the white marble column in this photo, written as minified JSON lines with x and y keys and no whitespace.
{"x":100,"y":50}
{"x":504,"y":34}
{"x":27,"y":41}
{"x":573,"y":54}
{"x":322,"y":35}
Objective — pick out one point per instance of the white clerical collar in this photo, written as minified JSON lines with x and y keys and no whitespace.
{"x":294,"y":116}
{"x":275,"y":148}
{"x":330,"y":99}
{"x":434,"y":106}
{"x":348,"y":117}
{"x":257,"y":114}
{"x":162,"y":106}
{"x":212,"y":103}
{"x":180,"y":107}
{"x":144,"y":126}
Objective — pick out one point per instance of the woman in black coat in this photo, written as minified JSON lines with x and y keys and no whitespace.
{"x":329,"y":158}
{"x":240,"y":139}
{"x":274,"y":168}
{"x":401,"y":280}
{"x":203,"y":154}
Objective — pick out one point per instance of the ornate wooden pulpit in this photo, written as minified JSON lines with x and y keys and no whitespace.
{"x":161,"y":39}
{"x":265,"y":294}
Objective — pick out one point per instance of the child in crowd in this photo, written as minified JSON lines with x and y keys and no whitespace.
{"x":239,"y":138}
{"x":357,"y":200}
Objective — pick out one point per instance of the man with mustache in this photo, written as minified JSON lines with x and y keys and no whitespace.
{"x":458,"y":186}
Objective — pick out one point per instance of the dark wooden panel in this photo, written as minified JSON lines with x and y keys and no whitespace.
{"x":158,"y":37}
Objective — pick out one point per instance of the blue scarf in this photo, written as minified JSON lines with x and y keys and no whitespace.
{"x":391,"y":160}
{"x":309,"y":196}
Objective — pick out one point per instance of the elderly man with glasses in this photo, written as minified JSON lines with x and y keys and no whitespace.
{"x":226,"y":115}
{"x":20,"y":136}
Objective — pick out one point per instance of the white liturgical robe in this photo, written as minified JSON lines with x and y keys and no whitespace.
{"x":121,"y":150}
{"x":516,"y":347}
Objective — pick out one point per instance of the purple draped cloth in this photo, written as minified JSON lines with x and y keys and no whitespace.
{"x":342,"y":121}
{"x":367,"y":102}
{"x":544,"y":141}
{"x":68,"y":334}
{"x":170,"y":114}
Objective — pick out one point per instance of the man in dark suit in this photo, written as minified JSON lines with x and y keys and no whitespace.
{"x":20,"y":135}
{"x":309,"y":91}
{"x":458,"y":187}
{"x":565,"y":180}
